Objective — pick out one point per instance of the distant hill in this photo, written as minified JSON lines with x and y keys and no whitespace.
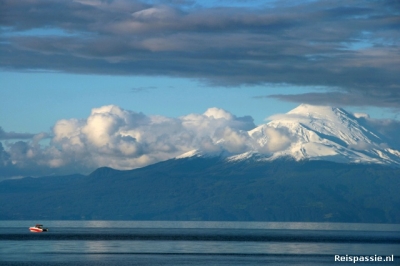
{"x":209,"y":189}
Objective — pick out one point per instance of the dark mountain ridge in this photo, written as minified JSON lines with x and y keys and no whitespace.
{"x":212,"y":189}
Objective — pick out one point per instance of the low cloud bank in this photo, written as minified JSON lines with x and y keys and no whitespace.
{"x":122,"y":139}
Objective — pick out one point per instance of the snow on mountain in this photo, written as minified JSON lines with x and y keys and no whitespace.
{"x":327,"y":133}
{"x":317,"y":133}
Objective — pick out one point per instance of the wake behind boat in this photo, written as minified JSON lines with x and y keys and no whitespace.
{"x":38,"y":228}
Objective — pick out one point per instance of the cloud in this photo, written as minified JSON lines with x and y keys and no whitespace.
{"x":270,"y":139}
{"x":361,"y":146}
{"x":217,"y":113}
{"x":23,"y":158}
{"x":13,"y":135}
{"x":349,"y":47}
{"x":361,"y":115}
{"x":4,"y":156}
{"x":234,"y":142}
{"x":123,"y":139}
{"x":389,"y":128}
{"x":142,"y":89}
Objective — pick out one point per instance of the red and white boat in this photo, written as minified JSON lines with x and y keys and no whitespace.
{"x":38,"y":228}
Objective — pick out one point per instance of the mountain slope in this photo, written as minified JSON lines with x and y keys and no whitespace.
{"x":211,"y":189}
{"x":286,"y":175}
{"x":317,"y":133}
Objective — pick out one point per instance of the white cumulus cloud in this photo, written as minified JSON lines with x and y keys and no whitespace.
{"x":123,"y":139}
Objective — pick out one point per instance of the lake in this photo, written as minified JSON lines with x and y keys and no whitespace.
{"x":197,"y":243}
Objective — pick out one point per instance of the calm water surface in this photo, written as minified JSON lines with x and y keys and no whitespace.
{"x":194,"y":243}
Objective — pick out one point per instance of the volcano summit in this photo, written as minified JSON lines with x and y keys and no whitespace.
{"x":311,"y":132}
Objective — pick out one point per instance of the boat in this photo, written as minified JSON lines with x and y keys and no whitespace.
{"x":38,"y":228}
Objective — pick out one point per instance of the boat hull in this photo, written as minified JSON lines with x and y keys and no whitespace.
{"x":37,"y":230}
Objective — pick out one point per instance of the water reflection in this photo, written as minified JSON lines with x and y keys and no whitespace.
{"x":193,"y":247}
{"x":67,"y":238}
{"x":206,"y":224}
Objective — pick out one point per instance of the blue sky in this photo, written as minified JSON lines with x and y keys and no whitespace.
{"x":31,"y":95}
{"x":34,"y":102}
{"x":175,"y":59}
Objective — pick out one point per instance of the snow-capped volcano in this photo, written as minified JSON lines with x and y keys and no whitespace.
{"x":326,"y":133}
{"x":317,"y":133}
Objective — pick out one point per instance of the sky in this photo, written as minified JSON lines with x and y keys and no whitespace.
{"x":69,"y":69}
